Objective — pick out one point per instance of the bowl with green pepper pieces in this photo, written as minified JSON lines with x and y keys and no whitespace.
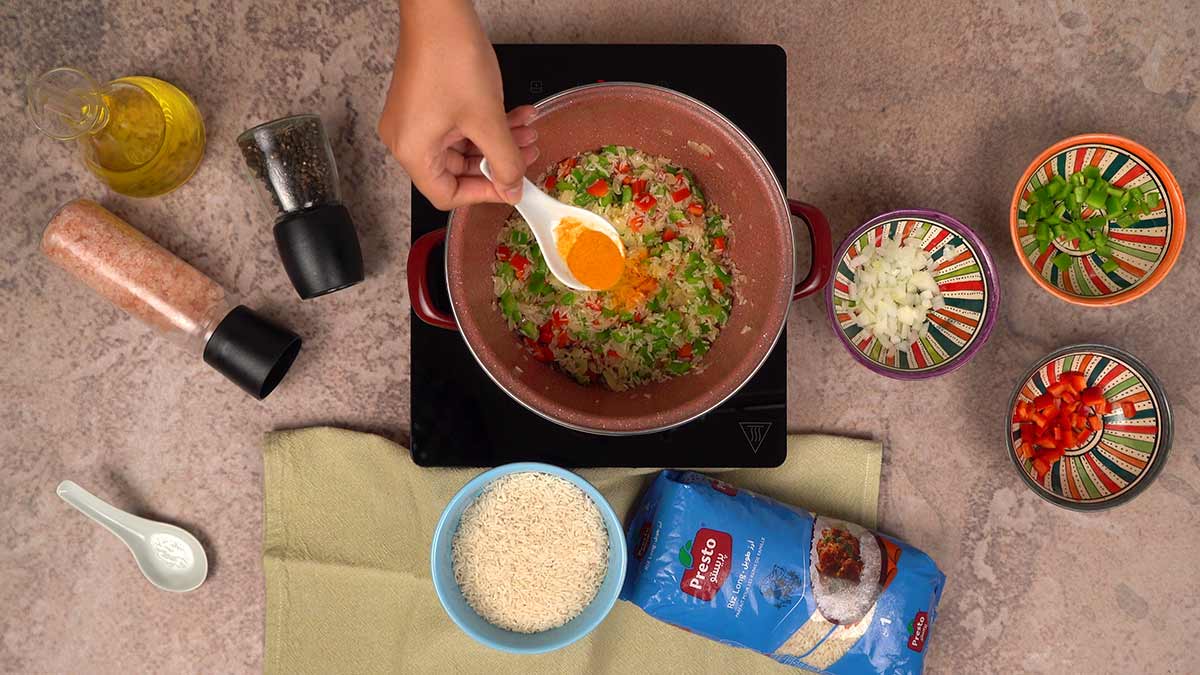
{"x":1097,"y":220}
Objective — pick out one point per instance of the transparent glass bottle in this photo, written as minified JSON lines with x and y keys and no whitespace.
{"x":178,"y":301}
{"x":292,"y":166}
{"x":140,"y":135}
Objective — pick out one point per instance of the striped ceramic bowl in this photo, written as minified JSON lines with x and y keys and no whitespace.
{"x":1115,"y":463}
{"x":1144,"y":251}
{"x":966,"y":279}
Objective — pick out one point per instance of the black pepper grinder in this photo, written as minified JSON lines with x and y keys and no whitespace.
{"x":292,"y":162}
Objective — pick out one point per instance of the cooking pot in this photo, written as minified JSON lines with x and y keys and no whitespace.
{"x":734,"y":175}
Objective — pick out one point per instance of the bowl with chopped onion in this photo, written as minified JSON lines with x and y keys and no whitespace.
{"x":914,"y":294}
{"x":1097,"y":220}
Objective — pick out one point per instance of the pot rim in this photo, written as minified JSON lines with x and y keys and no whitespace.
{"x":547,"y":103}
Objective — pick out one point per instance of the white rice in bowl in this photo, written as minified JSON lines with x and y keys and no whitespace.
{"x":531,"y":552}
{"x":844,"y":601}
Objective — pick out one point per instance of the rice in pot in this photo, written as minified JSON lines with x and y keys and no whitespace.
{"x":674,"y":296}
{"x":531,"y":552}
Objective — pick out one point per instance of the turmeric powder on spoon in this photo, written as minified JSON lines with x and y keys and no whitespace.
{"x":592,"y":257}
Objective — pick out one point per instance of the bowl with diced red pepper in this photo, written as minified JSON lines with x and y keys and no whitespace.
{"x":1097,"y":220}
{"x":1088,"y":427}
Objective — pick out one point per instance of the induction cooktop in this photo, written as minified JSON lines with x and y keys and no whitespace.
{"x":461,"y":418}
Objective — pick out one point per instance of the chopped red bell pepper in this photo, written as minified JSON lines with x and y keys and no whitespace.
{"x":612,"y":354}
{"x":1042,"y":467}
{"x":696,"y":209}
{"x":598,"y":189}
{"x":639,"y":186}
{"x":718,"y":284}
{"x":1028,"y":432}
{"x":593,"y":305}
{"x":623,"y":167}
{"x":669,"y":234}
{"x":645,"y":202}
{"x":503,"y":253}
{"x":1023,"y":411}
{"x":545,"y":333}
{"x":718,"y":244}
{"x":1060,"y":419}
{"x":685,"y":352}
{"x":558,"y":319}
{"x":539,"y":351}
{"x":521,"y":264}
{"x":680,"y":194}
{"x":563,"y":340}
{"x":636,"y":222}
{"x":551,"y":181}
{"x":1075,"y":380}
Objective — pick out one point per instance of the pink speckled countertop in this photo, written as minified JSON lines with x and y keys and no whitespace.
{"x":921,"y":103}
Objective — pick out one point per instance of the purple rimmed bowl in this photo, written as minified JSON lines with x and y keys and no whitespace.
{"x":966,"y":279}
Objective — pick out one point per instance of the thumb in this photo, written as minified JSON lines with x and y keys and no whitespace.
{"x":490,"y":133}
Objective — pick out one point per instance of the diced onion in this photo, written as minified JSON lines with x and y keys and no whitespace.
{"x":894,"y":291}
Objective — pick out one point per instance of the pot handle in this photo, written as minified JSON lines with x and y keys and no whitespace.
{"x":418,"y":281}
{"x":822,"y":248}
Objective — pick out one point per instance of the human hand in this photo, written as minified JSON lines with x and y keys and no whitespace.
{"x":445,"y":109}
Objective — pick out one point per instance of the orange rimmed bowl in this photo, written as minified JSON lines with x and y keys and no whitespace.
{"x":1145,"y":251}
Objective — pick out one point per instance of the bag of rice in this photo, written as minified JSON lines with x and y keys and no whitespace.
{"x":809,"y":591}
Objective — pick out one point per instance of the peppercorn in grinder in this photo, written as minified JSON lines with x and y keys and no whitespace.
{"x":292,"y":163}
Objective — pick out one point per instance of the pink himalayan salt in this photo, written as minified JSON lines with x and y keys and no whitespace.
{"x":137,"y":275}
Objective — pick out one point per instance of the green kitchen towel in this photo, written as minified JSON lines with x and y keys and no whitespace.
{"x":348,"y":521}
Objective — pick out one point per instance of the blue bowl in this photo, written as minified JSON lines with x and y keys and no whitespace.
{"x":441,"y":563}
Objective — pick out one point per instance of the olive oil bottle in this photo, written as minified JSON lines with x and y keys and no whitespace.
{"x":140,"y":135}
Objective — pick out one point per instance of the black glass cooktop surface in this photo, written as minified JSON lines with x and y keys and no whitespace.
{"x":461,"y":418}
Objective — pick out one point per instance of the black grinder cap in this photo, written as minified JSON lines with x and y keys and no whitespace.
{"x":251,"y":350}
{"x":319,"y":249}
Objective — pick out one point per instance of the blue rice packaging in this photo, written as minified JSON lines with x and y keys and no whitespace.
{"x":812,"y":592}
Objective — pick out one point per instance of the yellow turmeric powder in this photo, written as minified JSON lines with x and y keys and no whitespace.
{"x":635,"y":284}
{"x":591,"y":256}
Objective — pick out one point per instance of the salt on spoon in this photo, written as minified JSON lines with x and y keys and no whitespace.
{"x":170,"y":557}
{"x":548,"y":219}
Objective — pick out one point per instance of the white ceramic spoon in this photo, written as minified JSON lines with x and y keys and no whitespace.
{"x":171,"y":558}
{"x":544,"y":213}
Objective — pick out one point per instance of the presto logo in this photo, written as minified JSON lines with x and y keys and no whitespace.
{"x":918,"y":628}
{"x":706,"y":563}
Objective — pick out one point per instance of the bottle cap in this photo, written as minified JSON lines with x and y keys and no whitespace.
{"x":251,"y":350}
{"x":320,"y":251}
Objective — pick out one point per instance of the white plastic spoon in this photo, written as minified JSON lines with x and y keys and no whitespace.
{"x":544,"y":213}
{"x":171,"y":558}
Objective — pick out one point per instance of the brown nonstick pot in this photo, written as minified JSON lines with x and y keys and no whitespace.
{"x":734,"y":175}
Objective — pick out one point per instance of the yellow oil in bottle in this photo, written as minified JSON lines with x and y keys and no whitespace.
{"x":140,"y":135}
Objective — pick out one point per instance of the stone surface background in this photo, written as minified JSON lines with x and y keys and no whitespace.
{"x":892,"y":104}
